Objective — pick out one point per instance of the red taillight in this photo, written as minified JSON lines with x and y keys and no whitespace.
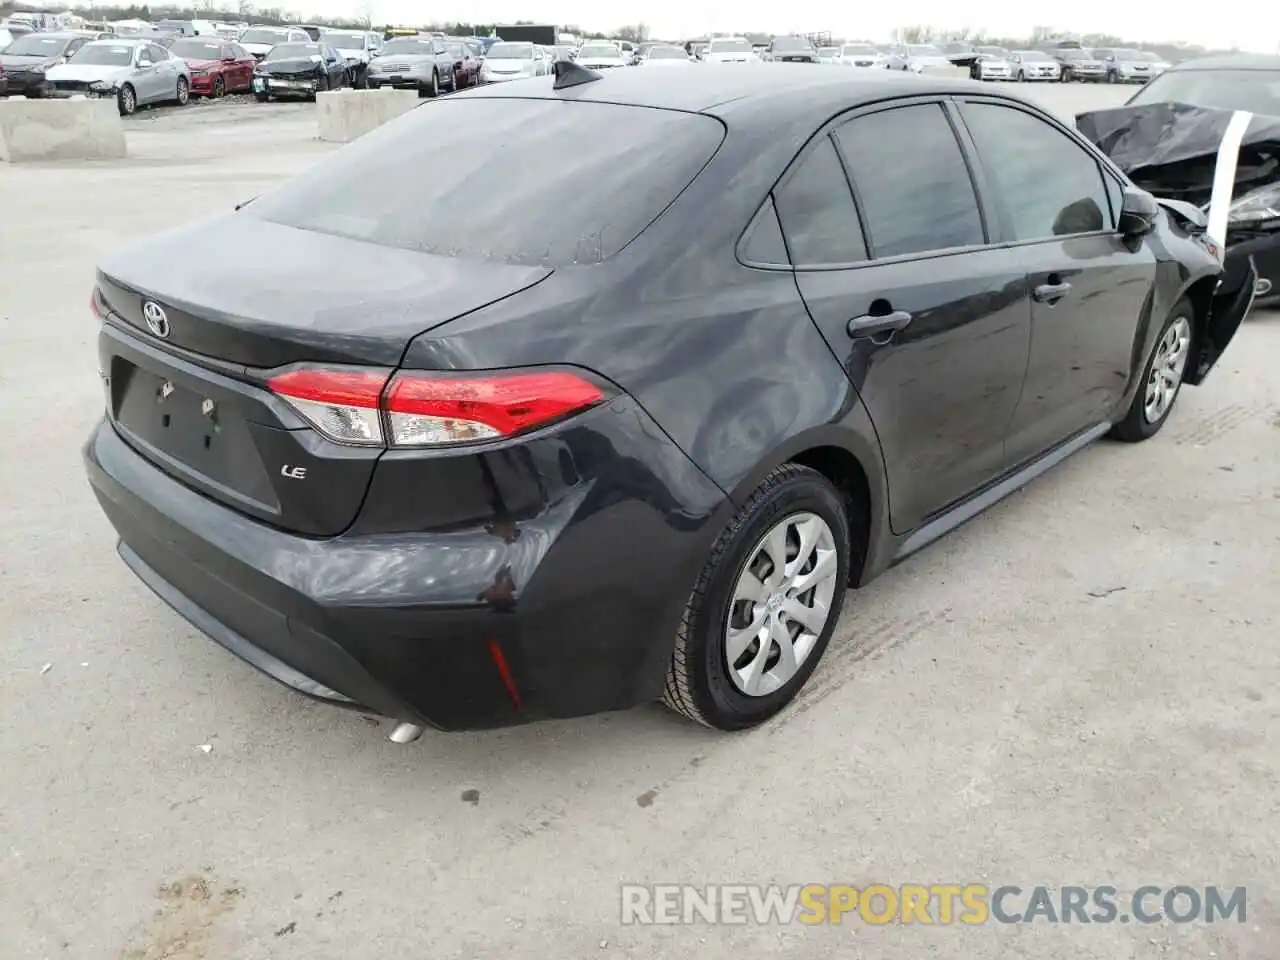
{"x":340,"y":403}
{"x":417,"y":409}
{"x":426,"y":410}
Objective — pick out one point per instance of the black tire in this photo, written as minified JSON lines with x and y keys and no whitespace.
{"x":698,"y":685}
{"x":262,"y":97}
{"x":1111,"y":77}
{"x":1136,"y":425}
{"x":182,"y":94}
{"x":127,"y":101}
{"x":360,"y":79}
{"x":1022,"y":77}
{"x":219,"y":88}
{"x":433,"y":88}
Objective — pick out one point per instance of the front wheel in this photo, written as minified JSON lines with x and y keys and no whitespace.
{"x":219,"y":88}
{"x":262,"y":97}
{"x":1111,"y":78}
{"x":183,"y":93}
{"x":433,"y":88}
{"x":1161,"y":379}
{"x":765,"y":604}
{"x":127,"y":101}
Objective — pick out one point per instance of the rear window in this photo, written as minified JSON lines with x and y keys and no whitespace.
{"x":491,"y":179}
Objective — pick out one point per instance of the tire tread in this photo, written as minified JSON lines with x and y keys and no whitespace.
{"x":677,"y":691}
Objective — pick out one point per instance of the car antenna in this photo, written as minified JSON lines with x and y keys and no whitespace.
{"x":569,"y":74}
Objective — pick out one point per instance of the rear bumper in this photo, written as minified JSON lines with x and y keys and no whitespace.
{"x":568,"y":611}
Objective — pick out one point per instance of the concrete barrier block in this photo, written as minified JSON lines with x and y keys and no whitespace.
{"x":344,"y":115}
{"x":947,"y":72}
{"x":55,"y":129}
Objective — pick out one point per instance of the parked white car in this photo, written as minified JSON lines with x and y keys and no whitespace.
{"x":599,"y":55}
{"x":917,"y":57}
{"x":729,"y":50}
{"x":512,"y":60}
{"x":355,"y":47}
{"x":666,"y":55}
{"x":1035,"y":65}
{"x":259,"y":40}
{"x":860,"y":55}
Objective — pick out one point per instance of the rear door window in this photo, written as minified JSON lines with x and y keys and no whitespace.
{"x":912,"y":181}
{"x":1050,"y":186}
{"x":492,"y":179}
{"x":815,"y":205}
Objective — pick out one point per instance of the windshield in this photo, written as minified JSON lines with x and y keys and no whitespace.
{"x":1074,"y":55}
{"x":1148,"y":55}
{"x":105,"y":54}
{"x":1034,"y":55}
{"x":512,"y":51}
{"x":729,"y":46}
{"x":294,"y":51}
{"x":497,"y":172}
{"x":406,"y":48}
{"x":994,"y":51}
{"x":34,"y":45}
{"x":458,"y":50}
{"x":850,"y":49}
{"x":788,"y":44}
{"x":345,"y":39}
{"x":667,"y":53}
{"x":600,"y":50}
{"x":263,"y":36}
{"x":923,"y":50}
{"x":1255,"y":91}
{"x":196,"y":50}
{"x":1127,"y":54}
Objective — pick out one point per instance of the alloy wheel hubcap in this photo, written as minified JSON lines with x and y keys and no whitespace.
{"x":780,"y":604}
{"x":1166,"y":369}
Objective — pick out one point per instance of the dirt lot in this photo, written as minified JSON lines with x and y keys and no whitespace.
{"x":1078,"y":687}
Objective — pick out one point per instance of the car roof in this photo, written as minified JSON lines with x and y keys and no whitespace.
{"x":1232,"y":61}
{"x":763,"y":93}
{"x":120,"y":41}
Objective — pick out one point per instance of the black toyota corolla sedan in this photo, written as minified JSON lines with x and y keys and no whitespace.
{"x":579,"y":392}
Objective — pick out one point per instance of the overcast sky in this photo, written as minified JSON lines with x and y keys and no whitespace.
{"x":1210,"y":24}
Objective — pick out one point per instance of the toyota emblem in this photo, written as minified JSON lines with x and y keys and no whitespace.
{"x":157,"y":320}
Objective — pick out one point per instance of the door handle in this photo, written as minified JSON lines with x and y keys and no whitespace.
{"x":877,"y":326}
{"x":1050,"y":292}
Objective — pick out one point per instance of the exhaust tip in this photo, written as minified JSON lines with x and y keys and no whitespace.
{"x":405,"y":733}
{"x":1262,"y":288}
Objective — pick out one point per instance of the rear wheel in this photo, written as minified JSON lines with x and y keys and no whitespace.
{"x":183,"y":93}
{"x":433,"y":88}
{"x":262,"y":97}
{"x":765,"y":604}
{"x":1021,"y":77}
{"x":127,"y":101}
{"x":1161,"y":379}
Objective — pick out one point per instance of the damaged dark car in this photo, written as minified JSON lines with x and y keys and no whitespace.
{"x":590,"y":447}
{"x":1167,"y":137}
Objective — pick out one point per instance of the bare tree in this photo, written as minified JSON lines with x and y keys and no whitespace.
{"x":916,"y":33}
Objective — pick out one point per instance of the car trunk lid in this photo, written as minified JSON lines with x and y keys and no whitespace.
{"x":188,"y":390}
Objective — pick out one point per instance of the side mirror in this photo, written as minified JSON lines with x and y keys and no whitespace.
{"x":1138,"y":213}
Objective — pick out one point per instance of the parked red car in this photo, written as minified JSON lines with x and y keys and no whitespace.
{"x":466,"y":65}
{"x":217,"y":66}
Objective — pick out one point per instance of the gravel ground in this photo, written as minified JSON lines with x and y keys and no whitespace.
{"x":1078,"y":687}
